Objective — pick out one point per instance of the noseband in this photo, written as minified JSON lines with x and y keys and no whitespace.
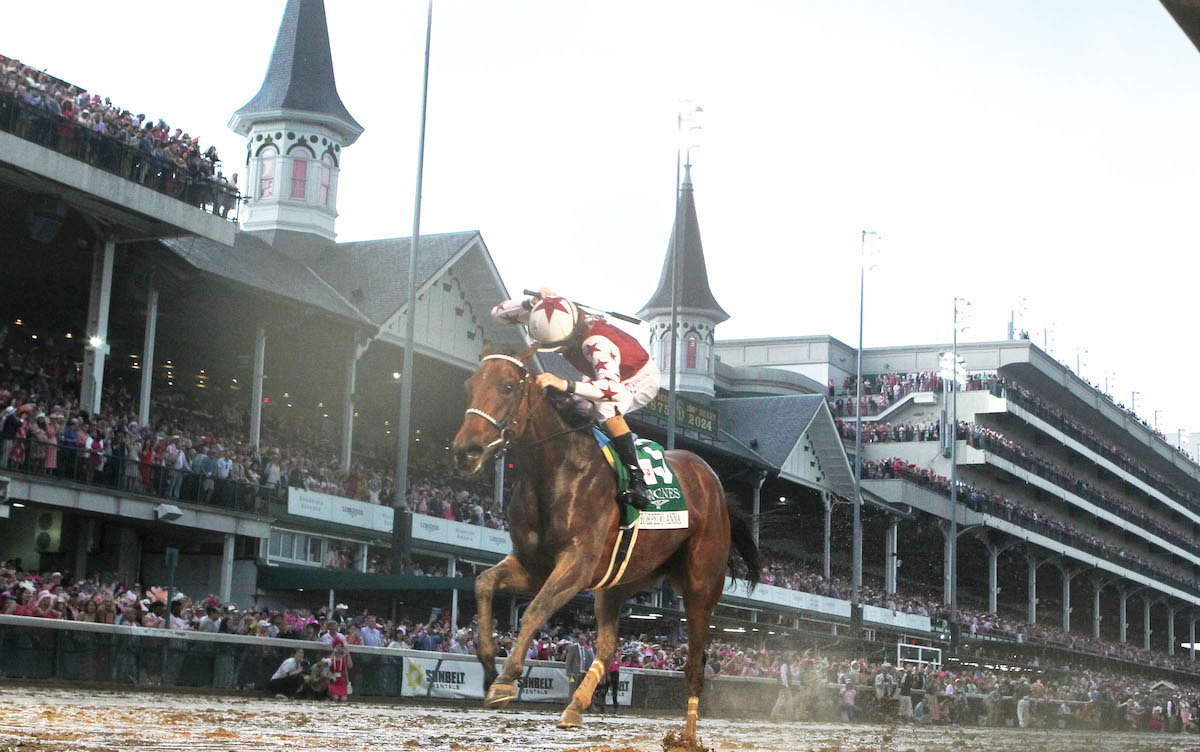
{"x":505,"y":427}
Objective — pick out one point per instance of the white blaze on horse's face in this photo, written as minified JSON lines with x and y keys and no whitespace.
{"x":494,"y":394}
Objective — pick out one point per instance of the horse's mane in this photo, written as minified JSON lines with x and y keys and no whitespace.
{"x":564,"y":407}
{"x":523,"y":355}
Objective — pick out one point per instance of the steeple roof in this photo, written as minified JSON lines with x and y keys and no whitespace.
{"x":300,"y":75}
{"x":694,"y":292}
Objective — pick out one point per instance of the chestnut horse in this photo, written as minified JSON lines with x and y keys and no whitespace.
{"x":563,"y":522}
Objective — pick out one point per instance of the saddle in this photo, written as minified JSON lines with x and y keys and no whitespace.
{"x":669,"y":512}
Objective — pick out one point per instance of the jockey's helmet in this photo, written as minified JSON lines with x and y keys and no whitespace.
{"x":552,"y":321}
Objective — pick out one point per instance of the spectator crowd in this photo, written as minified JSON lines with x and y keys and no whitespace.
{"x":881,"y":390}
{"x":200,"y":452}
{"x":40,"y":108}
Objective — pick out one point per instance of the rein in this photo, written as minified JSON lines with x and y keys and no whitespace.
{"x":505,"y":427}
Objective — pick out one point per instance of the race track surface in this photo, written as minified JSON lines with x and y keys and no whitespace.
{"x":50,"y":720}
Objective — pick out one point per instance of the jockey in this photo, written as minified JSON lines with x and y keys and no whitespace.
{"x":618,"y":374}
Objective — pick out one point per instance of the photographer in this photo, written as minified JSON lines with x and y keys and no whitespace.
{"x":288,"y":679}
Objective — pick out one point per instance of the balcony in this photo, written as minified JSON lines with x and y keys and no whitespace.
{"x":44,"y":153}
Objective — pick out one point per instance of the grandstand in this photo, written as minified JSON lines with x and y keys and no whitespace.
{"x":225,"y":393}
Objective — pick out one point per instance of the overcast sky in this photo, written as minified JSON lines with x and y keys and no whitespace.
{"x":1040,"y":149}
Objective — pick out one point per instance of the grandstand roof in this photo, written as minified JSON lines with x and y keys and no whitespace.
{"x":774,"y":423}
{"x":366,"y":272}
{"x":694,"y":292}
{"x":254,"y":262}
{"x":773,"y":426}
{"x":300,"y":75}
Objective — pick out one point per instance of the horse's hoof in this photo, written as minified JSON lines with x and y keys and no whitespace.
{"x":499,"y":695}
{"x":571,"y":717}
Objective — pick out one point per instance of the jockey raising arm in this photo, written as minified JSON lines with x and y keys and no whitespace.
{"x":618,"y":374}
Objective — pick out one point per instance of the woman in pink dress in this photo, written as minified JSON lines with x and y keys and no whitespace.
{"x":52,"y":429}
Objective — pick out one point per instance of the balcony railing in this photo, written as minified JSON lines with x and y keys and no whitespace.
{"x":114,"y":155}
{"x":1060,"y":478}
{"x":71,"y":464}
{"x":1069,"y":428}
{"x":1040,"y":523}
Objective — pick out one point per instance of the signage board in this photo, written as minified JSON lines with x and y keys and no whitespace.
{"x":461,"y":534}
{"x":688,"y":414}
{"x":330,"y":508}
{"x":462,"y":679}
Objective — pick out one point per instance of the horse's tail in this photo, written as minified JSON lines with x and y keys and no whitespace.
{"x":742,"y":537}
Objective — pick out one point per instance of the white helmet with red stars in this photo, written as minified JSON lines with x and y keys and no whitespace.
{"x":551,"y":322}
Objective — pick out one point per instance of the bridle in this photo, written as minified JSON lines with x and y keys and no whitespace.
{"x":505,"y":427}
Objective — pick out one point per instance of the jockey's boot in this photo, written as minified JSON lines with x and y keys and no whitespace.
{"x":637,"y":495}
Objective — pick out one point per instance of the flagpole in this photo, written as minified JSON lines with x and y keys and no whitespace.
{"x":400,"y":502}
{"x":674,"y":291}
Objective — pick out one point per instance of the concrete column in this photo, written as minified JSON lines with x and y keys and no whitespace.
{"x":331,"y":601}
{"x":348,"y":407}
{"x":226,"y":588}
{"x":828,"y":553}
{"x":1067,"y":576}
{"x":148,"y":355}
{"x":362,"y":558}
{"x":1032,"y":563}
{"x":993,"y":584}
{"x":947,"y":552}
{"x":1192,"y":636}
{"x":256,"y":390}
{"x":498,"y":487}
{"x":81,"y":549}
{"x":1124,"y":596}
{"x":1097,"y":586}
{"x":994,"y":549}
{"x":95,"y":345}
{"x":890,"y":555}
{"x":1171,"y":611}
{"x":1146,"y":622}
{"x":756,"y":499}
{"x":452,"y":571}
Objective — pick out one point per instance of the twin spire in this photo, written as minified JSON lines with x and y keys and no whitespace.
{"x":299,"y":77}
{"x":694,"y":294}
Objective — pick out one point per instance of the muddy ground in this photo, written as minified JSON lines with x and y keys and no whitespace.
{"x":51,"y":720}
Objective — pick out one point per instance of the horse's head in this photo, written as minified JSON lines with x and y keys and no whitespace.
{"x":497,"y":404}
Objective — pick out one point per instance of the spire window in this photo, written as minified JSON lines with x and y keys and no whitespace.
{"x":326,"y":178}
{"x":266,"y":175}
{"x":299,"y":175}
{"x":692,"y":342}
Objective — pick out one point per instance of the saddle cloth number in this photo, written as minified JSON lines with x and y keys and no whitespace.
{"x":654,"y":467}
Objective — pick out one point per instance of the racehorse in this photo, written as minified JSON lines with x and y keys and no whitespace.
{"x":563,"y":522}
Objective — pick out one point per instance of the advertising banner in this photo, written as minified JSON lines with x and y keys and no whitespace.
{"x":877,"y":615}
{"x":438,"y":677}
{"x":322,"y":506}
{"x":452,"y":533}
{"x":462,"y":679}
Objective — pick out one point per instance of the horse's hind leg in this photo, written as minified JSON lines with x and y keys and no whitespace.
{"x":608,"y":609}
{"x":567,"y":579}
{"x":507,"y":575}
{"x":700,"y":596}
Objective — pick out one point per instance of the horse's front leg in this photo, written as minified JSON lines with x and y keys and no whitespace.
{"x":570,"y":575}
{"x":507,"y":575}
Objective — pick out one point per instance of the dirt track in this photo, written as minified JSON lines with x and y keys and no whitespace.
{"x":51,"y":720}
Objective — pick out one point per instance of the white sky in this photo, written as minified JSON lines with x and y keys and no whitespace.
{"x":1003,"y":149}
